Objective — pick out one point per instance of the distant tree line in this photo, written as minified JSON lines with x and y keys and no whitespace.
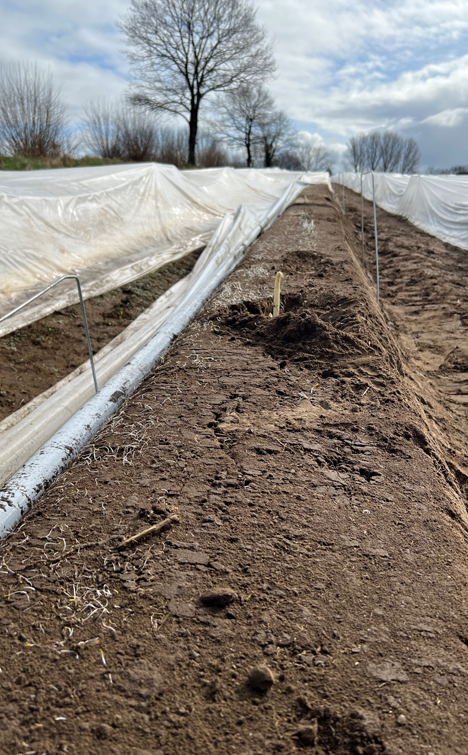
{"x":385,"y":151}
{"x":203,"y":61}
{"x":244,"y":128}
{"x":455,"y":170}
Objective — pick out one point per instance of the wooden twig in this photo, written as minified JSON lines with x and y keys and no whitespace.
{"x":149,"y":531}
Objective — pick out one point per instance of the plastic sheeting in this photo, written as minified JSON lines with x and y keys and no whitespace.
{"x":110,"y":225}
{"x":22,"y":434}
{"x":436,"y":204}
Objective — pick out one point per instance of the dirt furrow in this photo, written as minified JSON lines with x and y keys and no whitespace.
{"x":423,"y":287}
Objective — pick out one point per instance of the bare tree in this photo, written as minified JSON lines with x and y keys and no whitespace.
{"x":276,"y":134}
{"x":410,"y":156}
{"x":312,"y":158}
{"x":288,"y":160}
{"x":172,"y":147}
{"x":355,"y":156}
{"x":115,"y":131}
{"x":391,"y":149}
{"x":387,"y":151}
{"x":210,"y":152}
{"x":373,"y":150}
{"x":33,"y":115}
{"x":102,"y":133}
{"x":240,"y":115}
{"x":139,"y":135}
{"x":181,"y":51}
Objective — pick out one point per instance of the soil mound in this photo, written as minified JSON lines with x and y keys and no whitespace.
{"x":297,"y":329}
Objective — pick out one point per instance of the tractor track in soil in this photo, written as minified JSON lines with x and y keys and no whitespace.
{"x":321,"y":528}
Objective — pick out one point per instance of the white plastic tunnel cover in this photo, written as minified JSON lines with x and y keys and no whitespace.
{"x":436,"y":204}
{"x":123,"y":365}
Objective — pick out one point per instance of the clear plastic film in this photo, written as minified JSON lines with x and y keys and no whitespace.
{"x":113,"y":224}
{"x":268,"y":194}
{"x":436,"y":204}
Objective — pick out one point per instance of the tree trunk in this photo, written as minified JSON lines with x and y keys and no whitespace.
{"x":248,"y":144}
{"x":268,"y":157}
{"x":193,"y":128}
{"x":249,"y":155}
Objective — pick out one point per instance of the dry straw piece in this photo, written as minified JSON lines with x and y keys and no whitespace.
{"x":276,"y":296}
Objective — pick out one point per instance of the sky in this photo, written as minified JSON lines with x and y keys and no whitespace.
{"x":343,"y":67}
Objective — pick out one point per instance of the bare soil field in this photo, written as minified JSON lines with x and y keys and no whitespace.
{"x":34,"y":358}
{"x":302,"y":586}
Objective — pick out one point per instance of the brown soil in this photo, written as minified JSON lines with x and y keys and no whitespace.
{"x":35,"y":357}
{"x":310,"y":597}
{"x":423,"y":287}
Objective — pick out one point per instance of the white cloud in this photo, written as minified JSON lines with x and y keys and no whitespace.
{"x":448,"y":118}
{"x":77,"y":41}
{"x":342,"y":67}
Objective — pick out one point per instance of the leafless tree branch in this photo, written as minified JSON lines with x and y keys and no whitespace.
{"x":181,"y":51}
{"x":33,"y":115}
{"x":387,"y":151}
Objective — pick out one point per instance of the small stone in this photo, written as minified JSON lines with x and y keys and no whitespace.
{"x":103,"y":731}
{"x":401,"y":720}
{"x":320,"y":660}
{"x":307,"y":735}
{"x":369,"y":721}
{"x":284,"y":640}
{"x":218,"y":597}
{"x":261,"y":678}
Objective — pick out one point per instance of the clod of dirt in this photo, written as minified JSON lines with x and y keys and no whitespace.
{"x":181,"y":609}
{"x":388,"y":671}
{"x":261,"y":678}
{"x":159,"y":508}
{"x":140,"y":679}
{"x":103,"y":731}
{"x":219,"y":597}
{"x":307,"y":735}
{"x":212,"y":689}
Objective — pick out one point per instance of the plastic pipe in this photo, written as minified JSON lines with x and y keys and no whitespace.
{"x":29,"y":483}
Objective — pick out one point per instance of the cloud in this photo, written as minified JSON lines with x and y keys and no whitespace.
{"x":448,"y":118}
{"x":342,"y":67}
{"x":77,"y":41}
